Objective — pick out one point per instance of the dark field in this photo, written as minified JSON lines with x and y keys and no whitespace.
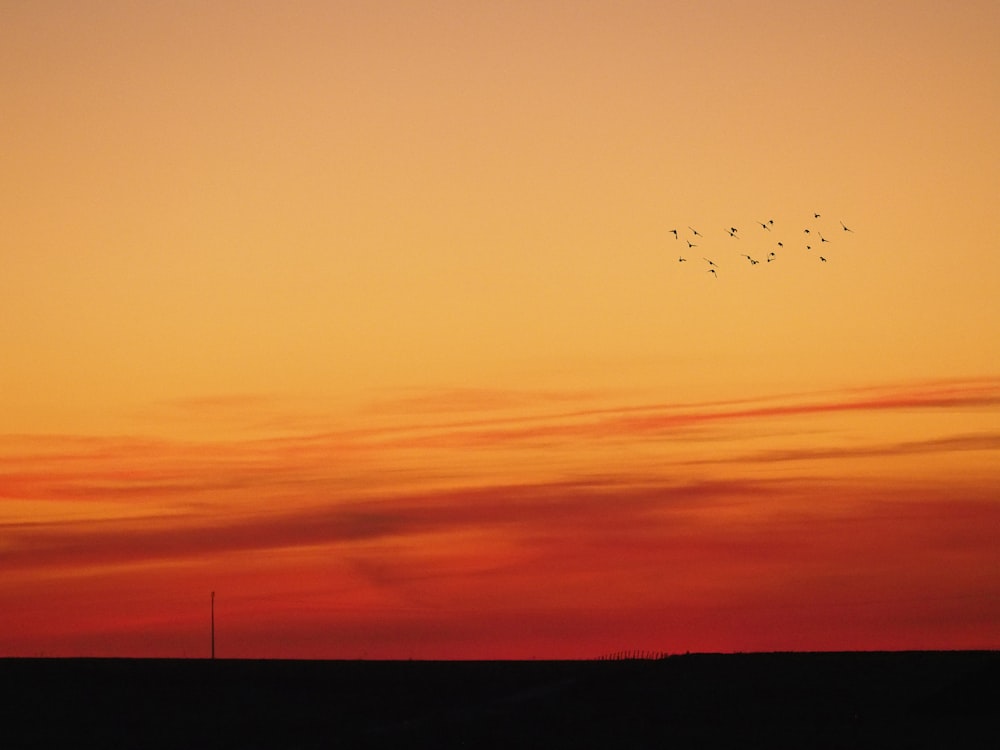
{"x":834,"y":700}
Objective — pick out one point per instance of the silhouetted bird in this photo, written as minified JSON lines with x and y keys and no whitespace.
{"x":845,"y":228}
{"x":815,"y":215}
{"x":732,"y":232}
{"x":806,"y":231}
{"x":674,"y":232}
{"x":690,"y":244}
{"x":822,"y":238}
{"x":682,"y":260}
{"x":822,"y":259}
{"x":696,"y":232}
{"x":710,"y":262}
{"x":712,"y":271}
{"x":765,"y":225}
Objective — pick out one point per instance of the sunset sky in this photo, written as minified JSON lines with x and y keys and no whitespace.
{"x":368,"y":317}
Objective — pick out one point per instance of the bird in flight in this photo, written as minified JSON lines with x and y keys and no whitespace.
{"x":813,"y":238}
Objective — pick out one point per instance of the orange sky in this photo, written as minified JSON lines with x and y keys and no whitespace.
{"x":369,"y":318}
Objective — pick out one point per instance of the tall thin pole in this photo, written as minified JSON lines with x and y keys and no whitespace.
{"x":213,"y":624}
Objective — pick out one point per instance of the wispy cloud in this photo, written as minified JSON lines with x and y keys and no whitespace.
{"x":633,"y":508}
{"x":947,"y":444}
{"x":551,"y":551}
{"x":652,"y":419}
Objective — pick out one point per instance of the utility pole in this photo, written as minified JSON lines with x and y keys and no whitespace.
{"x":213,"y":625}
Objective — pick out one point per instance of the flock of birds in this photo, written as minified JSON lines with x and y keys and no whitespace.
{"x":811,"y":236}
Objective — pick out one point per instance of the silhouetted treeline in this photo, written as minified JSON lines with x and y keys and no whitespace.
{"x":632,"y":699}
{"x":634,"y":655}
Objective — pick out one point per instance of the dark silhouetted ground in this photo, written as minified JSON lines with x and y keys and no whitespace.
{"x":821,"y":700}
